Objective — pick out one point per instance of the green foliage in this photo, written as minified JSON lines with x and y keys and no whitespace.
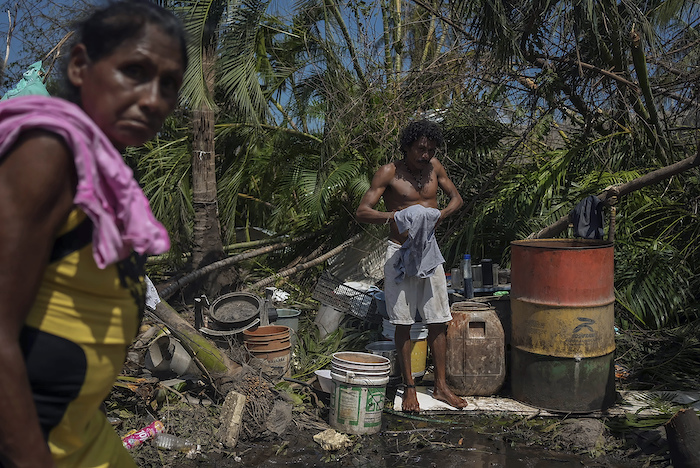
{"x":313,"y":354}
{"x":540,"y":107}
{"x":163,"y":167}
{"x":665,"y":359}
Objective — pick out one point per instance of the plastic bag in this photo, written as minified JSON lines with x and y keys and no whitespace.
{"x":30,"y":84}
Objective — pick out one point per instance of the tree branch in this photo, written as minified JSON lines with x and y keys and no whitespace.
{"x":614,"y":192}
{"x":303,"y":266}
{"x":189,"y":278}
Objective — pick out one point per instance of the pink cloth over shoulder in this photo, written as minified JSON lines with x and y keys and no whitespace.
{"x":107,"y":191}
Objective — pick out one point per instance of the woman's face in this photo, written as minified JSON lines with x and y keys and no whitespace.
{"x":130,"y":92}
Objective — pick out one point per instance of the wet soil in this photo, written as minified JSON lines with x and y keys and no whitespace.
{"x":424,"y":441}
{"x":455,"y":440}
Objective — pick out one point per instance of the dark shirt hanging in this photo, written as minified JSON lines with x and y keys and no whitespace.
{"x":587,"y":218}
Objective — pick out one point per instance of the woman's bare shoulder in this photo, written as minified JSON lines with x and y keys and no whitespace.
{"x":38,"y":166}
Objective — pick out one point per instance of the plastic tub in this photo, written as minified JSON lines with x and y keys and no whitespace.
{"x":288,"y":318}
{"x":357,"y":400}
{"x":325,"y":380}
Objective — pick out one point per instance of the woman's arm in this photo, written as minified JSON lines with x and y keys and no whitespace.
{"x":37,"y":186}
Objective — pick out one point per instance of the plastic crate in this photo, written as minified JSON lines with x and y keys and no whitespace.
{"x":333,"y":292}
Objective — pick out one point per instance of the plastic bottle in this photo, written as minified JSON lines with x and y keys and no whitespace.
{"x":135,"y":438}
{"x":467,"y":276}
{"x":173,"y":442}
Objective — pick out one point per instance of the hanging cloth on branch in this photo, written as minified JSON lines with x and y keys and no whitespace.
{"x":587,"y":218}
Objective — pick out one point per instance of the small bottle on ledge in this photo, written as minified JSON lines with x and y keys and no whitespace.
{"x":467,"y":276}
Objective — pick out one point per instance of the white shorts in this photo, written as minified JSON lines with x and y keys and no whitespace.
{"x":428,"y":296}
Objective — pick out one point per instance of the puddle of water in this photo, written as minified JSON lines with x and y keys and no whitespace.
{"x":440,"y":448}
{"x":478,"y":450}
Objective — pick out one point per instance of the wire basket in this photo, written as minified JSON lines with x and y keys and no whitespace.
{"x":333,"y":292}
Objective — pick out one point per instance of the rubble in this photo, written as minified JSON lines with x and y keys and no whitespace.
{"x":330,"y":440}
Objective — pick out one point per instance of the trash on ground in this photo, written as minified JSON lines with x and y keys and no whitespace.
{"x":331,"y":440}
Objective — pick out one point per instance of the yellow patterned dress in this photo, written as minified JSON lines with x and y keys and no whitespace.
{"x":74,"y":343}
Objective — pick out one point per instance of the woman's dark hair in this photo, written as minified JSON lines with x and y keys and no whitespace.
{"x":109,"y":27}
{"x":417,"y":129}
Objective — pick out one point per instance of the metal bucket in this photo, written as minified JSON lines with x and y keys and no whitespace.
{"x":388,"y":350}
{"x":563,"y":337}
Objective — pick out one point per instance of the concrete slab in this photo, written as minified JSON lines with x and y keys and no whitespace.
{"x":476,"y":405}
{"x":629,"y":402}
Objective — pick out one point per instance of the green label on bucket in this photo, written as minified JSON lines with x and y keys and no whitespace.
{"x":375,"y":400}
{"x":349,"y":405}
{"x":374,"y":407}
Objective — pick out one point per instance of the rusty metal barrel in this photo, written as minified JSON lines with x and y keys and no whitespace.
{"x":563,"y":331}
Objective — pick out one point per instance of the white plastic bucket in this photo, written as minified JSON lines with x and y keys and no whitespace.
{"x":362,"y":362}
{"x":357,"y":399}
{"x":327,"y":320}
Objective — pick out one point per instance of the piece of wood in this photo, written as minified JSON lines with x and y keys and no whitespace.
{"x":231,"y":418}
{"x":683,"y":435}
{"x":304,"y":266}
{"x":168,"y":291}
{"x":207,"y":353}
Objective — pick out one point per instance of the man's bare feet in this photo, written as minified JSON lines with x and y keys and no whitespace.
{"x":410,"y":400}
{"x":446,"y":395}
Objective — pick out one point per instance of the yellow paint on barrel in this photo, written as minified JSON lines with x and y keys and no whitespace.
{"x":568,"y":332}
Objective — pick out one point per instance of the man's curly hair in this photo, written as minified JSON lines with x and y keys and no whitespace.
{"x":417,"y":129}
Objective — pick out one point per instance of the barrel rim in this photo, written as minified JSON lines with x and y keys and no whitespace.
{"x":551,"y":243}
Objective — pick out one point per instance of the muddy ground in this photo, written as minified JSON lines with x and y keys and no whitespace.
{"x":192,"y":411}
{"x":445,"y":441}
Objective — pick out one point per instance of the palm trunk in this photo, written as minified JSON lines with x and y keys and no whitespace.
{"x":398,"y":38}
{"x":348,"y":41}
{"x":208,"y":246}
{"x":652,"y":177}
{"x":388,"y":61}
{"x":640,"y":66}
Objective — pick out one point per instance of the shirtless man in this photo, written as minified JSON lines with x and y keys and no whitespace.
{"x":414,"y":180}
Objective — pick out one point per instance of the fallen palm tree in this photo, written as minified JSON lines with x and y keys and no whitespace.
{"x":208,"y":356}
{"x":304,"y":266}
{"x":167,"y":292}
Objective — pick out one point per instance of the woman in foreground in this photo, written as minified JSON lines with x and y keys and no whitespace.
{"x":74,"y":229}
